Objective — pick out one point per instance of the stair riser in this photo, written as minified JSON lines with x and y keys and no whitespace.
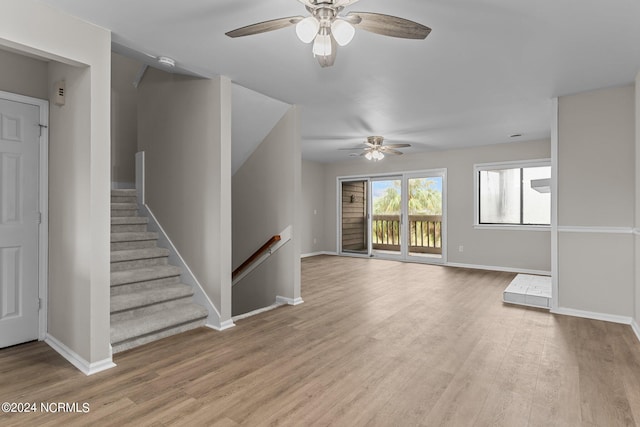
{"x":124,"y":212}
{"x":153,"y":308}
{"x":140,"y":244}
{"x":124,"y":199}
{"x":125,"y":228}
{"x":129,"y":344}
{"x":134,"y":287}
{"x":123,"y":192}
{"x":138,"y":263}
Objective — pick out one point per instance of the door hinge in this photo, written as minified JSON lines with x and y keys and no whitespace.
{"x":39,"y":304}
{"x":39,"y":217}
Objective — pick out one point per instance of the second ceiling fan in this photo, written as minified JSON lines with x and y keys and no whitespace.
{"x":374,"y":150}
{"x":327,"y":29}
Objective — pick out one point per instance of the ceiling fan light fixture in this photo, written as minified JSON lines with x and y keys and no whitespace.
{"x":307,"y":29}
{"x":342,"y":31}
{"x":368,"y":156}
{"x":322,"y":45}
{"x":377,"y":155}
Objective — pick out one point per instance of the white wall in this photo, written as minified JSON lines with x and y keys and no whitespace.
{"x":124,"y":120}
{"x":523,"y":250}
{"x":266,"y":200}
{"x":23,"y":75}
{"x":78,"y":170}
{"x":312,"y":213}
{"x":184,"y":128}
{"x":596,"y":188}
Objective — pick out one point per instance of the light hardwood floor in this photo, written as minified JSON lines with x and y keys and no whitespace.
{"x":375,"y":343}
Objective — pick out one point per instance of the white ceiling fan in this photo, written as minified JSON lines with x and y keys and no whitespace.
{"x":374,"y":150}
{"x":327,"y":29}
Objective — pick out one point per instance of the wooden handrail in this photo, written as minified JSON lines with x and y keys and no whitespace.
{"x":257,"y":254}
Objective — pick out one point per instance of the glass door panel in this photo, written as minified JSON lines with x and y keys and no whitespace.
{"x":355,"y":236}
{"x":386,"y":219}
{"x":424,"y":211}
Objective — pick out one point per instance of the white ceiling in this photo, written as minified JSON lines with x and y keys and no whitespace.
{"x":488,"y":69}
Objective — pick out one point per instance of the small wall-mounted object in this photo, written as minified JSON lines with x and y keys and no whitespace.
{"x":353,"y":198}
{"x":541,"y":185}
{"x":59,"y":93}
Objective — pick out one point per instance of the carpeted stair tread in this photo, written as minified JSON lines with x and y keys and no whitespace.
{"x":128,"y":220}
{"x":124,"y":206}
{"x":132,"y":328}
{"x":148,"y":297}
{"x":137,"y":254}
{"x":133,"y":236}
{"x":143,"y":274}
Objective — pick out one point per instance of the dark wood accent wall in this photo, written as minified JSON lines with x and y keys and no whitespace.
{"x":354,"y":216}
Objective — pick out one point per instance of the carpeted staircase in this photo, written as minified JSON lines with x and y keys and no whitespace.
{"x":148,"y":302}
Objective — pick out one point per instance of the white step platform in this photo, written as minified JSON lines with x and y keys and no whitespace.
{"x":529,"y":290}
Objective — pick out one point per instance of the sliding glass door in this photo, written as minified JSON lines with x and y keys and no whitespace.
{"x":386,"y":218}
{"x":397,"y":216}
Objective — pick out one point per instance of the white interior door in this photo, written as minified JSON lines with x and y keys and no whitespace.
{"x":19,"y":222}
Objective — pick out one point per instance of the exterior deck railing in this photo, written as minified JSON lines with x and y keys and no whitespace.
{"x":425,"y":233}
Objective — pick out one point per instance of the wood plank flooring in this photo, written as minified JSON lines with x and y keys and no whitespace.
{"x":377,"y":343}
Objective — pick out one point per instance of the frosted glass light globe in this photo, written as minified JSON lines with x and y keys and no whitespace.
{"x":342,"y":31}
{"x":322,"y":45}
{"x":307,"y":29}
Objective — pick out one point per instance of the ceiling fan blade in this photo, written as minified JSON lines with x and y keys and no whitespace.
{"x":390,"y":151}
{"x":352,"y":149}
{"x":388,"y":25}
{"x":397,"y":145}
{"x":328,"y":61}
{"x":263,"y":27}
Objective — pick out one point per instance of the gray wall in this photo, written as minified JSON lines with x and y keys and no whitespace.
{"x":124,"y":121}
{"x":637,"y":197}
{"x":187,"y":144}
{"x":78,"y":304}
{"x":267,"y":199}
{"x":523,"y":250}
{"x":23,"y":75}
{"x":312,"y":213}
{"x":596,"y":187}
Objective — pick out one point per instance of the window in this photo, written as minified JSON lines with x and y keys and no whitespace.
{"x":515,"y":193}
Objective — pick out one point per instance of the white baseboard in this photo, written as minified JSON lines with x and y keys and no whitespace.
{"x":187,"y":276}
{"x":614,"y":318}
{"x":227,"y":324}
{"x":317,"y":254}
{"x":76,"y":360}
{"x":258,"y":311}
{"x":636,"y":328}
{"x":288,"y":301}
{"x":497,"y":268}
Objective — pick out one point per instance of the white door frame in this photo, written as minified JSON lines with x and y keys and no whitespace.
{"x":43,"y":201}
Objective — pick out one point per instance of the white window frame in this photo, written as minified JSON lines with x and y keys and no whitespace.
{"x":476,"y":193}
